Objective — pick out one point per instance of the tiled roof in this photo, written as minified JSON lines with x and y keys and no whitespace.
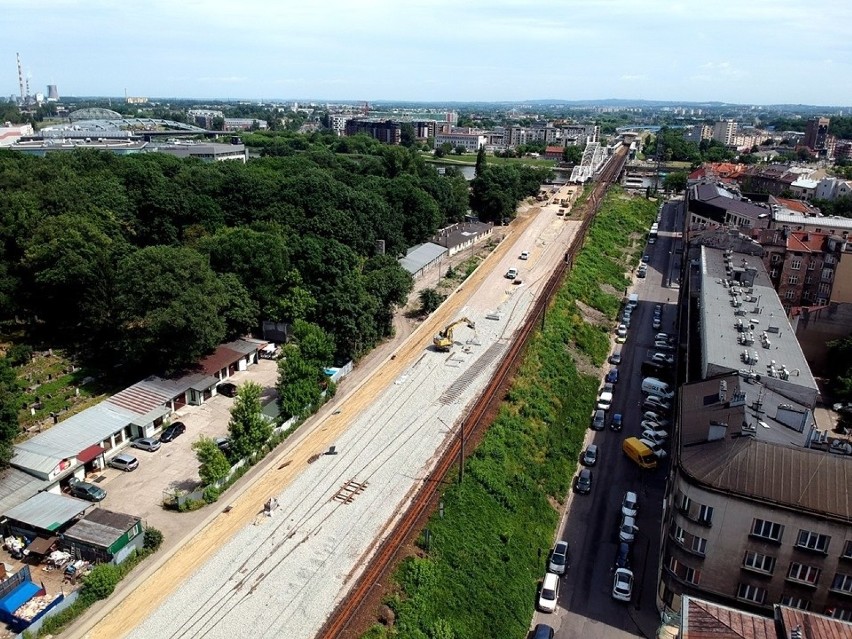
{"x":806,"y":242}
{"x":704,"y":620}
{"x":221,"y":358}
{"x":813,"y":626}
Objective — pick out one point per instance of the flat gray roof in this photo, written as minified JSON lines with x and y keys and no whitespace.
{"x":16,"y":487}
{"x":729,"y":279}
{"x":66,"y":439}
{"x":48,"y":511}
{"x":826,"y":223}
{"x":421,"y":256}
{"x":101,"y":527}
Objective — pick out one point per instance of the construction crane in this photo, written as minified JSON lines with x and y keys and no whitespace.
{"x":443,"y":341}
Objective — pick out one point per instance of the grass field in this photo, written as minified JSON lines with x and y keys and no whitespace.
{"x":478,"y":575}
{"x":470,"y":159}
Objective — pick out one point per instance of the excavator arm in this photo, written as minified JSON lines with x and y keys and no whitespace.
{"x":443,"y":341}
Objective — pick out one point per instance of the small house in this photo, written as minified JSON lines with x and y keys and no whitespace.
{"x":103,"y":536}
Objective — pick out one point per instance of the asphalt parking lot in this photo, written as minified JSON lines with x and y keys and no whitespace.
{"x":140,"y":492}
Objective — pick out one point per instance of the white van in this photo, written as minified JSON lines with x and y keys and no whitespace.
{"x":654,"y":386}
{"x":633,"y":300}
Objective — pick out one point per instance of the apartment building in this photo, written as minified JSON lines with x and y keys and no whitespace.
{"x":471,"y":142}
{"x":756,"y":510}
{"x":724,"y":131}
{"x":387,"y":131}
{"x":816,"y":134}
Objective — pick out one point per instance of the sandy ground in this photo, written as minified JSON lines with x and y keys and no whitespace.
{"x":244,"y":573}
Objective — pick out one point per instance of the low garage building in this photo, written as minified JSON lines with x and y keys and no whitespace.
{"x":104,"y":536}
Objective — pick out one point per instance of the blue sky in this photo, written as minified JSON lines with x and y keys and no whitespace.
{"x":746,"y":51}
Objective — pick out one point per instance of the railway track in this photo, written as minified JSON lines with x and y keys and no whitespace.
{"x":340,"y":624}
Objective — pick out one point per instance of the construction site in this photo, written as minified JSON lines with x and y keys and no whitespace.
{"x":281,"y":556}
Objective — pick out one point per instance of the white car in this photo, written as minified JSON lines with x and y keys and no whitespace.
{"x":630,"y":504}
{"x":659,"y":402}
{"x":549,"y":593}
{"x":662,"y":337}
{"x":525,"y":255}
{"x":558,"y":558}
{"x":662,"y":358}
{"x":512,"y":273}
{"x":658,"y":451}
{"x":649,"y":425}
{"x":604,"y":401}
{"x":655,"y":437}
{"x":663,"y":346}
{"x":621,"y":331}
{"x":615,"y":358}
{"x":658,"y":419}
{"x":622,"y":585}
{"x":627,"y":529}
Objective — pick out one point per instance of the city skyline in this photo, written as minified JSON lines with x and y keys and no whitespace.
{"x":430,"y":52}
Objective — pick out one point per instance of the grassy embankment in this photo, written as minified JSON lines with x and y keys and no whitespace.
{"x":470,"y":159}
{"x":478,"y":578}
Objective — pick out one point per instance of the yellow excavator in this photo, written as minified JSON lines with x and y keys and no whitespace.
{"x":443,"y":341}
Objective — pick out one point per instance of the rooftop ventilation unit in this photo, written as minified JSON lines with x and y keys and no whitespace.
{"x":723,"y":390}
{"x":738,"y":398}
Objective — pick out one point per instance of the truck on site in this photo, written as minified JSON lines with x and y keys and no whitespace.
{"x":443,"y":340}
{"x":641,"y":455}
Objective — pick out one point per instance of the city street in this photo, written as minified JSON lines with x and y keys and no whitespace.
{"x":586,"y":607}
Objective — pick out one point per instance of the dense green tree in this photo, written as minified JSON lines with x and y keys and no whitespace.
{"x":248,"y":427}
{"x":675,"y":182}
{"x":316,"y":347}
{"x":213,"y":466}
{"x":10,"y":404}
{"x":407,"y":137}
{"x":299,"y":383}
{"x":480,"y":160}
{"x":168,"y":308}
{"x":573,"y":154}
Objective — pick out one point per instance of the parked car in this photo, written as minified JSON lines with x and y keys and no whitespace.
{"x":223,"y":443}
{"x":663,"y":346}
{"x":630,"y":504}
{"x":659,"y":402}
{"x":525,"y":255}
{"x":665,"y":337}
{"x":658,"y":309}
{"x":622,"y":555}
{"x":615,"y":358}
{"x":627,"y":529}
{"x":590,"y":455}
{"x":228,"y":389}
{"x":543,"y":631}
{"x":604,"y":400}
{"x":549,"y":593}
{"x":662,"y":358}
{"x":583,"y":482}
{"x":598,"y":419}
{"x":657,"y":323}
{"x":657,"y":449}
{"x":658,"y":419}
{"x":621,"y":331}
{"x":146,"y":443}
{"x":124,"y":462}
{"x":617,"y":422}
{"x":642,"y":272}
{"x":651,"y":425}
{"x":612,"y":376}
{"x":625,"y":319}
{"x":87,"y":491}
{"x":175,"y":430}
{"x":622,"y":585}
{"x":512,"y":273}
{"x":656,"y":437}
{"x":646,"y":258}
{"x":558,"y":563}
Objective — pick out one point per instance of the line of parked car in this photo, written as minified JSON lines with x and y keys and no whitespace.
{"x":622,"y":583}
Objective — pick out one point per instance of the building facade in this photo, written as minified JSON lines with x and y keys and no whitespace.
{"x":816,"y":134}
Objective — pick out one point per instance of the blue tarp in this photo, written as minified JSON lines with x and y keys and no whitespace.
{"x":18,"y":597}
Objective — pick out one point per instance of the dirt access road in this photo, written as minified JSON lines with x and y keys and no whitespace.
{"x":142,"y":594}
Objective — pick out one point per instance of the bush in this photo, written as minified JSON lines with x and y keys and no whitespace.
{"x":211,"y":494}
{"x":153,"y":539}
{"x":100,"y":583}
{"x":19,"y":354}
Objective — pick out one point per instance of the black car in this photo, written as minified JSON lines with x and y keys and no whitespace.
{"x":543,"y":631}
{"x":583,"y":482}
{"x":622,"y":555}
{"x":176,"y":429}
{"x":227,"y":389}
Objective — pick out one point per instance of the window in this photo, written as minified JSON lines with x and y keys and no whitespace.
{"x":812,"y":541}
{"x":767,"y":529}
{"x":789,"y":295}
{"x":758,"y":562}
{"x":795,"y":602}
{"x":811,"y":265}
{"x":684,"y":572}
{"x":827,"y":274}
{"x":775,"y":258}
{"x":842,"y":583}
{"x":751,"y":593}
{"x":705,"y":515}
{"x":796,"y":265}
{"x":803,"y":573}
{"x":839,"y":613}
{"x":847,"y":550}
{"x":809,"y":279}
{"x":699,"y":545}
{"x":773,"y":272}
{"x":685,"y":504}
{"x":793,"y":279}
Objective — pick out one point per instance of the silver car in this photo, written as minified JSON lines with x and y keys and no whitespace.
{"x":146,"y":443}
